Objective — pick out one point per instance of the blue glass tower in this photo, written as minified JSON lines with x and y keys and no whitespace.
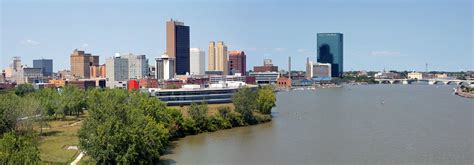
{"x":330,"y":50}
{"x":182,"y":50}
{"x":45,"y":64}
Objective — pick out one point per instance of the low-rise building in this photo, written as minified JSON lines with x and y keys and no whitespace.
{"x":283,"y":82}
{"x":265,"y":77}
{"x":415,"y":75}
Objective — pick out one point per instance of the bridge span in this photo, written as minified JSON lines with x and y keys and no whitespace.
{"x":430,"y":81}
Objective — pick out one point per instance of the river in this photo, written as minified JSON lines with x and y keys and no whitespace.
{"x":371,"y":124}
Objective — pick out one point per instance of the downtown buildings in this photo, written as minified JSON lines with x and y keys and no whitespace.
{"x":46,"y":66}
{"x":123,"y":67}
{"x":165,"y":67}
{"x":218,"y":60}
{"x":81,"y":63}
{"x":177,"y":45}
{"x":197,"y":61}
{"x":237,"y":62}
{"x":330,"y":50}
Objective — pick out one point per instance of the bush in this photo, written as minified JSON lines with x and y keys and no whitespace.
{"x":262,"y":118}
{"x":16,"y":149}
{"x":189,"y":127}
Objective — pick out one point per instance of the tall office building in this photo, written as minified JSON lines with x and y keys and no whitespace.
{"x":330,"y":50}
{"x":211,"y":65}
{"x":165,"y":67}
{"x":117,"y":68}
{"x":45,"y":64}
{"x":177,"y":45}
{"x":197,"y":61}
{"x":218,"y":60}
{"x":237,"y":62}
{"x":81,"y":63}
{"x":137,"y":66}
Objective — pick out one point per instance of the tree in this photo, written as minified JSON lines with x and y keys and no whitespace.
{"x":265,"y":99}
{"x":23,"y":89}
{"x":72,"y":101}
{"x":244,"y":102}
{"x":198,"y":112}
{"x":119,"y":132}
{"x":17,"y":149}
{"x":8,"y":112}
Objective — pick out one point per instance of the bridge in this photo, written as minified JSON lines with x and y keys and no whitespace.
{"x":430,"y":81}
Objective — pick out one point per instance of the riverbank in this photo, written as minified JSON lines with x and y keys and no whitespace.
{"x":458,"y":91}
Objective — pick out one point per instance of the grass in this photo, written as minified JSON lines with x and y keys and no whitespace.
{"x":55,"y":140}
{"x":212,"y":108}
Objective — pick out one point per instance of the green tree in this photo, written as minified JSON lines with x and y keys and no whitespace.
{"x":198,"y":112}
{"x":244,"y":102}
{"x":265,"y":99}
{"x":18,"y":149}
{"x":118,"y":132}
{"x":23,"y":89}
{"x":8,"y":112}
{"x":72,"y":101}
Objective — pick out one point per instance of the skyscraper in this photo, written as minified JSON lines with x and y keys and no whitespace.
{"x":237,"y":62}
{"x":117,"y":69}
{"x":177,"y":45}
{"x":211,"y":65}
{"x":218,"y":60}
{"x":45,"y":64}
{"x":81,"y":62}
{"x":137,"y":66}
{"x":165,"y":66}
{"x":197,"y":61}
{"x":330,"y":50}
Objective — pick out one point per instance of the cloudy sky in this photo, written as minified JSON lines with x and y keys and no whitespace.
{"x":391,"y":34}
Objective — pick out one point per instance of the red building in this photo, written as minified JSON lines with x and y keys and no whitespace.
{"x":148,"y":83}
{"x":267,"y":67}
{"x":237,"y":62}
{"x":283,"y":82}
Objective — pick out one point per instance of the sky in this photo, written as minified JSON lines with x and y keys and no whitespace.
{"x":378,"y":34}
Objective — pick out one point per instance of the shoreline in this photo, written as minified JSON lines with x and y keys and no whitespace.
{"x":458,"y":91}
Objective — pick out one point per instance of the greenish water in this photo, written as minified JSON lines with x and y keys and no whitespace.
{"x":374,"y":124}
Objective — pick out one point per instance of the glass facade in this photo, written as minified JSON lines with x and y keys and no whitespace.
{"x":182,"y":49}
{"x":45,"y":64}
{"x":330,"y":50}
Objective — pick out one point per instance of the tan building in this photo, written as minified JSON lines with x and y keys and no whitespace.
{"x":81,"y":63}
{"x":415,"y":75}
{"x":211,"y":65}
{"x":98,"y":71}
{"x":218,"y":57}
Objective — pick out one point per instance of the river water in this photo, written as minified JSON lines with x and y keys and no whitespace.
{"x":372,"y":124}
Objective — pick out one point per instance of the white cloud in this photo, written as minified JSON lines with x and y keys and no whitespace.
{"x":279,"y":49}
{"x":30,"y":42}
{"x":385,"y":54}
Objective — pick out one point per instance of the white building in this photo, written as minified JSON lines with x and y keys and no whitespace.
{"x":265,"y":77}
{"x":415,"y":75}
{"x":137,"y":66}
{"x":197,"y":61}
{"x":165,"y":67}
{"x":318,"y":70}
{"x":116,"y":69}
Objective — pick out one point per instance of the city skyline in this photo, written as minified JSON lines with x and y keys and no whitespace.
{"x":392,"y":40}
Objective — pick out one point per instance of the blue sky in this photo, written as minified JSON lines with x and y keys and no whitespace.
{"x":392,"y":34}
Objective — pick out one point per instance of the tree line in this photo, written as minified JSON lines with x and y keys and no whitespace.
{"x":121,"y":127}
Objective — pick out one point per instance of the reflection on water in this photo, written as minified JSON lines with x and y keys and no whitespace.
{"x":376,"y":124}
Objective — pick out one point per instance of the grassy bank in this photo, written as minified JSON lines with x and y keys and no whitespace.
{"x":57,"y":138}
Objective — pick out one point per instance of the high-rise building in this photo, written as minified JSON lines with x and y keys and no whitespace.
{"x":211,"y":65}
{"x":237,"y":62}
{"x":165,"y":67}
{"x":81,"y":62}
{"x":117,"y":69}
{"x":330,"y":50}
{"x":137,"y":66}
{"x":218,"y":60}
{"x":177,"y":45}
{"x":221,"y":58}
{"x":197,"y":61}
{"x":45,"y":64}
